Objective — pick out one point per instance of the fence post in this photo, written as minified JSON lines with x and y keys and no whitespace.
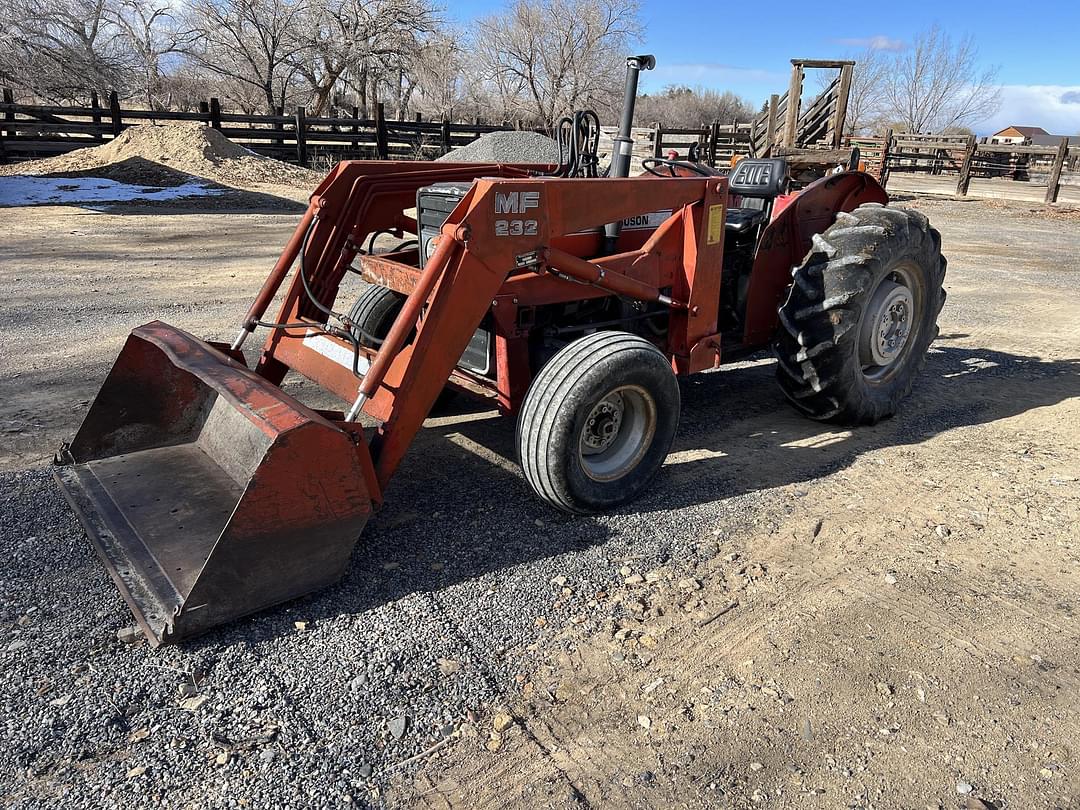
{"x":1055,"y":172}
{"x":382,"y":147}
{"x":215,"y":113}
{"x":279,"y":125}
{"x":9,"y":98}
{"x":355,"y":143}
{"x":791,"y":119}
{"x":965,"y":169}
{"x":883,"y":171}
{"x":770,"y":134}
{"x":95,"y":115}
{"x":419,"y":118}
{"x":204,"y":111}
{"x":114,"y":112}
{"x":714,"y":138}
{"x":842,"y":93}
{"x":301,"y":139}
{"x":445,"y":135}
{"x":658,"y":141}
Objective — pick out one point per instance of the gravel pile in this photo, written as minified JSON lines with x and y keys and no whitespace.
{"x":450,"y":593}
{"x":506,"y":147}
{"x":153,"y":153}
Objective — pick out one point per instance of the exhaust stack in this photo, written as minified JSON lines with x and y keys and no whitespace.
{"x":624,"y":144}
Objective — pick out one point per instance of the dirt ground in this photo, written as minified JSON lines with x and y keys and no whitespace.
{"x":901,"y":632}
{"x":892,"y":625}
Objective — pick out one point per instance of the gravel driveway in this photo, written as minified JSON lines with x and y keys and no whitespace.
{"x":386,"y":688}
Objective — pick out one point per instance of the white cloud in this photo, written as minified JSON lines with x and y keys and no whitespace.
{"x":879,"y":42}
{"x":710,"y":75}
{"x":1055,"y":108}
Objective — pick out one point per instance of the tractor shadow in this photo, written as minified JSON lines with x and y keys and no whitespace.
{"x":460,"y":515}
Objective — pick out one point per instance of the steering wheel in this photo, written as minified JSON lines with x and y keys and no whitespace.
{"x":650,"y":165}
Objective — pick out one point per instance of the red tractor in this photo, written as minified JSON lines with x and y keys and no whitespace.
{"x":573,"y":302}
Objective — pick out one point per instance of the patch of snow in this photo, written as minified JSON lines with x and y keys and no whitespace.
{"x":18,"y":190}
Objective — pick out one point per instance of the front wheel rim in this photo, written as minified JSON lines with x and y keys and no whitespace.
{"x":617,"y":433}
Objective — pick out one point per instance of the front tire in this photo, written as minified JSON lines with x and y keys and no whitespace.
{"x":598,"y":422}
{"x":860,"y":315}
{"x":374,"y":314}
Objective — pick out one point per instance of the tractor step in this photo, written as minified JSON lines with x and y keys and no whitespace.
{"x":208,"y":492}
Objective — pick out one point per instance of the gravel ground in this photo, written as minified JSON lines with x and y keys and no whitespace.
{"x":441,"y":609}
{"x":506,"y":147}
{"x":466,"y":594}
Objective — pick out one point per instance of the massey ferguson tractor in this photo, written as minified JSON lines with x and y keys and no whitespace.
{"x":572,"y":300}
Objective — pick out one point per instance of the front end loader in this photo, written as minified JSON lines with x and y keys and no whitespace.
{"x":571,"y":301}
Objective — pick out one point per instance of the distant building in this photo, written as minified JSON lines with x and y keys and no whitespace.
{"x":1054,"y":140}
{"x":1017,"y":135}
{"x":1030,"y":136}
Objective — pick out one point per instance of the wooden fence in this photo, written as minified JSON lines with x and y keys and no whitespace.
{"x":943,"y":164}
{"x":960,"y":165}
{"x":30,"y":131}
{"x":821,"y":124}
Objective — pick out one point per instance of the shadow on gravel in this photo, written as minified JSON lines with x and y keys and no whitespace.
{"x":458,"y":510}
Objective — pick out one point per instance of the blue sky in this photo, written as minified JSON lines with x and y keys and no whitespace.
{"x":732,"y":46}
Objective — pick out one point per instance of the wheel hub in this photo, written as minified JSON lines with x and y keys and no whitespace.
{"x":887,"y":325}
{"x":617,"y":433}
{"x":603,"y":423}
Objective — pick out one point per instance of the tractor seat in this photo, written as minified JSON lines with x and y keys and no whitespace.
{"x":757,"y":181}
{"x":740,"y":220}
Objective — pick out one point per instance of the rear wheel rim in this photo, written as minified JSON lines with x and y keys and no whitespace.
{"x":617,"y":433}
{"x":891,"y":323}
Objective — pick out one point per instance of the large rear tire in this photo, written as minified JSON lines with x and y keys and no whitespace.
{"x":598,"y":422}
{"x":860,"y":315}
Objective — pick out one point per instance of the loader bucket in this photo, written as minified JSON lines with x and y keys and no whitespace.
{"x":207,"y":491}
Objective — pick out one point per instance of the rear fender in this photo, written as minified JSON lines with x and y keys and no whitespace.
{"x":786,"y":241}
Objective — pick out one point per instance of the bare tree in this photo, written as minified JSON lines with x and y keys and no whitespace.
{"x":362,"y":44}
{"x":865,"y":98}
{"x":679,"y":106}
{"x":59,"y":50}
{"x":151,"y":34}
{"x":446,"y":83}
{"x":254,"y":43}
{"x":936,"y":84}
{"x":440,"y":76}
{"x":549,"y":57}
